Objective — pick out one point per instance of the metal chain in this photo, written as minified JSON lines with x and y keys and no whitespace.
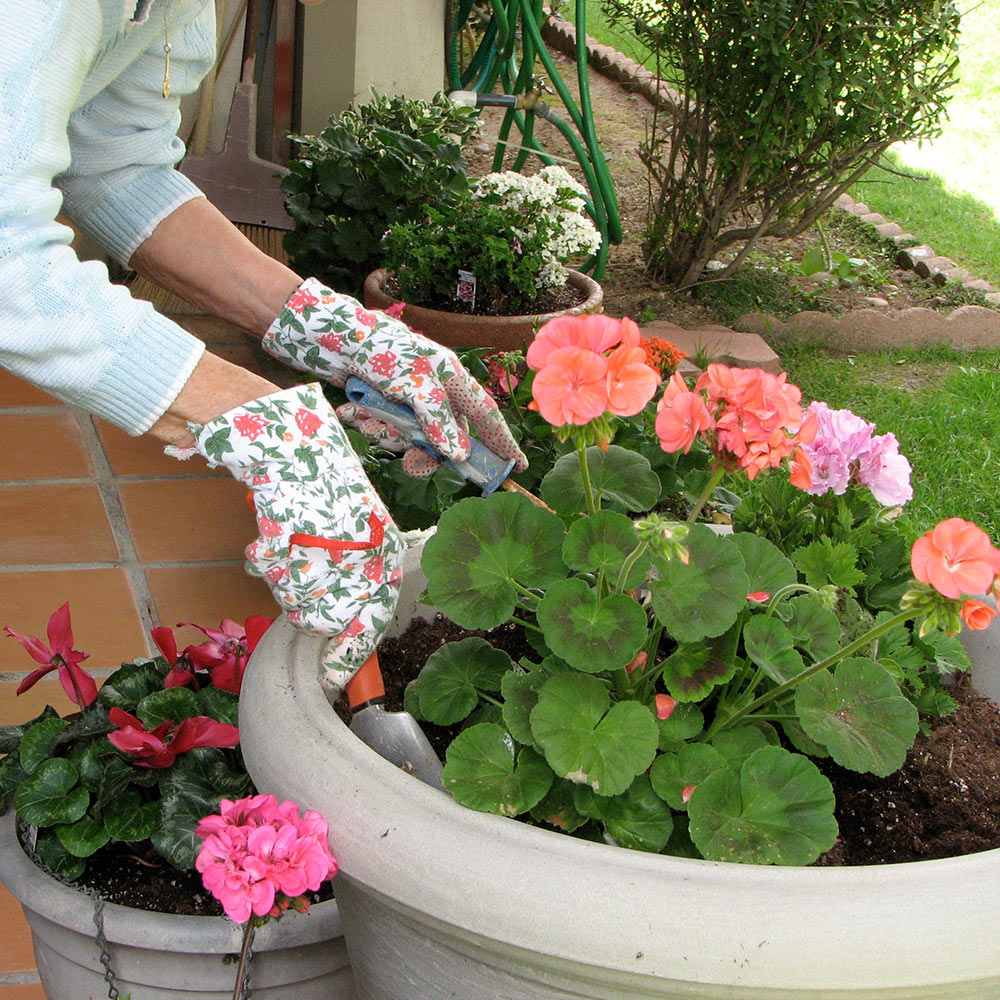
{"x":245,"y":985}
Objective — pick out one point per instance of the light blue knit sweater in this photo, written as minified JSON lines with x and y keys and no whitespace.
{"x":84,"y":127}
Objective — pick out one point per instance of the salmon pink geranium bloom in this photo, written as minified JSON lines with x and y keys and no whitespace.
{"x":572,"y":387}
{"x":956,"y":558}
{"x":976,"y":614}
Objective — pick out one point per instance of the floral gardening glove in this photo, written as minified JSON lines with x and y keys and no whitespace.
{"x":416,"y":461}
{"x":327,"y":546}
{"x":334,"y":336}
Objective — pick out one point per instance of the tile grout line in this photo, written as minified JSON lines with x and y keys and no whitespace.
{"x":128,"y":558}
{"x":19,"y":978}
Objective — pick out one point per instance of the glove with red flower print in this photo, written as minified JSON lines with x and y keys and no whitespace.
{"x":334,"y":336}
{"x":327,"y":546}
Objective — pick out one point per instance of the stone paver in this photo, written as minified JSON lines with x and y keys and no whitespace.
{"x":741,"y":349}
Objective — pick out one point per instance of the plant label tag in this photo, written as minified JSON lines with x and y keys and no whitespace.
{"x":465,"y":291}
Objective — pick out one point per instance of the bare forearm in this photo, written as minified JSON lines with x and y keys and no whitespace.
{"x":198,"y":254}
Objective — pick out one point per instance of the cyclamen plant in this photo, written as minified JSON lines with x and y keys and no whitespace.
{"x":683,"y":679}
{"x":145,"y":757}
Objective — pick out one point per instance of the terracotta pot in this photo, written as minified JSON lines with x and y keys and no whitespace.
{"x":461,"y":330}
{"x":162,"y":956}
{"x":440,"y":901}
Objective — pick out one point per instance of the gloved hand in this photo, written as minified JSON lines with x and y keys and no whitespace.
{"x":334,"y":336}
{"x":416,"y":461}
{"x":327,"y":546}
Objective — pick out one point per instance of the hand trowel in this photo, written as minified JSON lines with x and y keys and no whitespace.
{"x":396,"y":736}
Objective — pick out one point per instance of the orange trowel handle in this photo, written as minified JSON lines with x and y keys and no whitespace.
{"x":366,"y":685}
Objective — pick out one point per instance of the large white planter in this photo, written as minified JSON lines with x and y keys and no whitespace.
{"x":160,"y":956}
{"x":440,"y":901}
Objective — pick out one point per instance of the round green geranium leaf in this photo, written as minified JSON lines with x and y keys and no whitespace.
{"x":520,"y":695}
{"x":672,"y":774}
{"x":448,"y":686}
{"x":619,"y":477}
{"x":639,"y":819}
{"x":858,"y":713}
{"x":484,"y":772}
{"x":691,"y":671}
{"x":769,"y":645}
{"x":778,"y":809}
{"x":588,"y":633}
{"x":52,"y":794}
{"x":738,"y":743}
{"x":767,"y":569}
{"x":588,"y":740}
{"x":813,"y":628}
{"x":482,"y":547}
{"x":684,"y":723}
{"x":600,"y":544}
{"x":702,"y":598}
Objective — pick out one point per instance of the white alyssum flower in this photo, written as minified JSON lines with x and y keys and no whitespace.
{"x":546,"y":208}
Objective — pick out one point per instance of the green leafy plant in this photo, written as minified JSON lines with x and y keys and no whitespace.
{"x":496,"y":249}
{"x":376,"y":165}
{"x":144,"y":759}
{"x":814,"y":91}
{"x":683,"y":679}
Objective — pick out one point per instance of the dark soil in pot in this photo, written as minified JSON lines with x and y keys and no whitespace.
{"x":943,"y":802}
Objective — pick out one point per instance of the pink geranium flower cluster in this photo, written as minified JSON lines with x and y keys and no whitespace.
{"x":750,"y":418}
{"x":846,"y":450}
{"x":258,"y":857}
{"x":589,"y":365}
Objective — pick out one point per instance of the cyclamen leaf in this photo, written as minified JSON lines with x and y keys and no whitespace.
{"x":590,"y":634}
{"x":619,"y":477}
{"x":128,"y":818}
{"x":858,"y":713}
{"x":447,"y":688}
{"x":601,"y":543}
{"x":221,"y":705}
{"x":129,"y":684}
{"x":778,"y":809}
{"x":56,"y":858}
{"x":168,"y":705}
{"x":83,"y":837}
{"x":39,"y":741}
{"x":483,"y":772}
{"x":639,"y":819}
{"x":672,"y":773}
{"x":51,"y":794}
{"x":482,"y":548}
{"x":588,"y":740}
{"x":703,"y":598}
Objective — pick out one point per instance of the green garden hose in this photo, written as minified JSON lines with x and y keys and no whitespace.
{"x":509,"y":47}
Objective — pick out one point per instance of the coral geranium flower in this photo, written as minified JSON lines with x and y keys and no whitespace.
{"x":595,"y":332}
{"x":631,"y":382}
{"x":681,"y":420}
{"x":955,"y":558}
{"x":572,"y":386}
{"x":976,"y":614}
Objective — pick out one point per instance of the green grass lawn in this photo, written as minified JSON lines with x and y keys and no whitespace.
{"x":942,"y":405}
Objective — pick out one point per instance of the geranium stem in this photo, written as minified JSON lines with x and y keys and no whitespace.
{"x":588,"y":489}
{"x":242,"y":969}
{"x":713,"y":480}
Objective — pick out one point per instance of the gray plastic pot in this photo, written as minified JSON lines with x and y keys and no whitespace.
{"x":160,"y":956}
{"x":440,"y":901}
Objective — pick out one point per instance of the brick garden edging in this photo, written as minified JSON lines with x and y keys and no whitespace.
{"x":966,"y":327}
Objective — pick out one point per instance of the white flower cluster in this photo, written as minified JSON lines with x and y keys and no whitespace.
{"x":547,"y":205}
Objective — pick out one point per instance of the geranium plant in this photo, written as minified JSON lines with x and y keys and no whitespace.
{"x":683,"y":680}
{"x":146,"y":757}
{"x":495,"y":250}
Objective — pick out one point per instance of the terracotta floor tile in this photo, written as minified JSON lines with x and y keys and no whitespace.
{"x":29,"y":991}
{"x":43,"y":446}
{"x":16,"y":709}
{"x":105,"y":619}
{"x":16,"y":954}
{"x":143,"y":456}
{"x":206,"y":595}
{"x":188,"y":520}
{"x":49,"y":524}
{"x":15,"y":391}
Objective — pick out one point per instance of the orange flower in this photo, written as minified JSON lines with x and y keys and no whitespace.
{"x":955,"y":558}
{"x":662,"y":355}
{"x":665,"y":706}
{"x":801,"y":470}
{"x":572,"y":386}
{"x":976,"y":615}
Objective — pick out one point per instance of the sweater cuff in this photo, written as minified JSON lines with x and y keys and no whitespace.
{"x":145,"y":376}
{"x":125,"y":218}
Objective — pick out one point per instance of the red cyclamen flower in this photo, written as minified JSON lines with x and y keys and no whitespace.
{"x":161,"y":746}
{"x":59,"y":655}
